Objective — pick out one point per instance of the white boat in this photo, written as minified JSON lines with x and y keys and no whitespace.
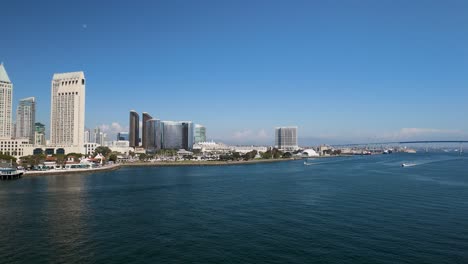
{"x":407,"y":164}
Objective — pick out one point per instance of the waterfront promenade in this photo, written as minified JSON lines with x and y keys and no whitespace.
{"x":70,"y":171}
{"x":151,"y":164}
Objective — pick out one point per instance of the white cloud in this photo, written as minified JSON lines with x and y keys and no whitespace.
{"x":244,"y":134}
{"x":112,"y":129}
{"x":248,"y":136}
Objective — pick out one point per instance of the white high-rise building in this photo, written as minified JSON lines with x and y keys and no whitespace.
{"x":87,"y":136}
{"x":6,"y":98}
{"x":67,"y":117}
{"x":26,"y":118}
{"x":286,"y":138}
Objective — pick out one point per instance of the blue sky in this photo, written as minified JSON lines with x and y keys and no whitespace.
{"x":343,"y":71}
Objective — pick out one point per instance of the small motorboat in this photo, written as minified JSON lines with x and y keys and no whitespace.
{"x":407,"y":164}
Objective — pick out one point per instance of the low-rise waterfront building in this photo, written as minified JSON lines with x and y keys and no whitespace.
{"x":16,"y":147}
{"x":90,"y":148}
{"x":246,"y":149}
{"x":211,"y":146}
{"x":120,"y":146}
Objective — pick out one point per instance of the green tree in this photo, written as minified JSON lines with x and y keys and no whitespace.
{"x":287,"y":155}
{"x":113,"y":157}
{"x":60,"y":159}
{"x":7,"y":158}
{"x":250,"y":155}
{"x":266,"y":155}
{"x":32,"y":160}
{"x":276,"y":153}
{"x":142,"y":157}
{"x":236,"y":155}
{"x":105,"y":151}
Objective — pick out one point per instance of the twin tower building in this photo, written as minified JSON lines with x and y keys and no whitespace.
{"x":67,"y":117}
{"x":157,"y":134}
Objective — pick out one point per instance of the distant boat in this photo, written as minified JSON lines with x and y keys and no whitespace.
{"x":307,"y":164}
{"x":407,"y":164}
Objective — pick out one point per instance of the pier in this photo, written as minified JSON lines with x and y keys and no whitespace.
{"x":13,"y":176}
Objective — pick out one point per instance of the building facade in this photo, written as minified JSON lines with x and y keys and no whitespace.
{"x":177,"y":135}
{"x":67,"y":109}
{"x":16,"y":147}
{"x":134,"y":133}
{"x":153,"y":135}
{"x":122,"y":136}
{"x":286,"y":138}
{"x":39,"y":134}
{"x":145,"y":118}
{"x":200,"y":133}
{"x":26,"y":118}
{"x":90,"y":148}
{"x":6,"y":100}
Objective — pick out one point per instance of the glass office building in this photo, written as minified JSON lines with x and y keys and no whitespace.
{"x":153,"y":135}
{"x":145,"y":117}
{"x":200,"y":133}
{"x":177,"y":135}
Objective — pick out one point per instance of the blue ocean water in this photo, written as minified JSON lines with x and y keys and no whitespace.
{"x":365,"y":209}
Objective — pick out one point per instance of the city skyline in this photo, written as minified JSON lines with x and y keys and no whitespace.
{"x":345,"y":78}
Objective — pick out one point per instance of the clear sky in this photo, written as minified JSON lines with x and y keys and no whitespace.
{"x":340,"y":70}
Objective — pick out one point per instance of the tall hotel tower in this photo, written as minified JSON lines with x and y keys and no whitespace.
{"x":144,"y":141}
{"x":26,"y":118}
{"x":286,"y":138}
{"x":67,"y":116}
{"x":6,"y":98}
{"x":134,"y":133}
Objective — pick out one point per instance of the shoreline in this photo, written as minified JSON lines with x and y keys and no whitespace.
{"x":71,"y":171}
{"x":200,"y":163}
{"x":150,"y":164}
{"x":162,"y":164}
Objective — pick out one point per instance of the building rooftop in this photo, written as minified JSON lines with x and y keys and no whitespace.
{"x":3,"y":74}
{"x":28,"y":99}
{"x":68,"y":75}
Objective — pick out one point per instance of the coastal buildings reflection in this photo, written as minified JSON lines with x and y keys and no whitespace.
{"x":67,"y":216}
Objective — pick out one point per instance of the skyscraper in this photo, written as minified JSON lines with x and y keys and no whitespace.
{"x":200,"y":133}
{"x":153,"y":135}
{"x":286,"y":138}
{"x":134,"y":133}
{"x":87,"y":135}
{"x":6,"y":97}
{"x":26,"y":118}
{"x":145,"y":117}
{"x":39,"y":134}
{"x":177,"y":135}
{"x":67,"y":109}
{"x":98,"y":136}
